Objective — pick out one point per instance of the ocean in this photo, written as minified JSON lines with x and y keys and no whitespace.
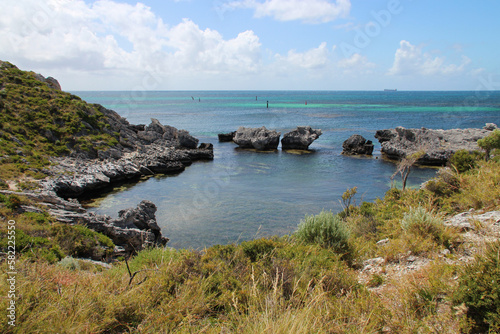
{"x":242,"y":195}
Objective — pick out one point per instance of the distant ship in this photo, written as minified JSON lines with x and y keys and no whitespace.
{"x":390,"y":90}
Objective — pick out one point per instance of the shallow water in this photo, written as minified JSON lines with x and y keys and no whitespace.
{"x":244,"y":194}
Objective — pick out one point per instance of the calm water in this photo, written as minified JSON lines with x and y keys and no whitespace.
{"x":242,"y":194}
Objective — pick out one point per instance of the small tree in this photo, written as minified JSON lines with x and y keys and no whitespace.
{"x":490,"y":142}
{"x":347,"y":197}
{"x":405,"y":165}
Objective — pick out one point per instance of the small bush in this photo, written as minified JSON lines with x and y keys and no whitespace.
{"x":80,"y":241}
{"x":479,"y":289}
{"x":325,"y":229}
{"x":463,"y":160}
{"x":419,"y":221}
{"x":69,"y":263}
{"x":258,"y":249}
{"x":12,"y":202}
{"x":490,"y":142}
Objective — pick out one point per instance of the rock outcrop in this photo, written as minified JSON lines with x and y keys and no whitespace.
{"x":438,"y":145}
{"x":300,"y":138}
{"x":226,"y":137}
{"x":49,"y":81}
{"x":260,"y":139}
{"x":357,"y":145}
{"x":135,"y":228}
{"x":152,"y":149}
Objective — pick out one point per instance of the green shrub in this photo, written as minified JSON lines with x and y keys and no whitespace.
{"x":479,"y":289}
{"x":69,"y":263}
{"x":325,"y":229}
{"x":38,"y":218}
{"x":24,"y":242}
{"x":421,"y":222}
{"x":463,"y":160}
{"x":79,"y":241}
{"x":258,"y":249}
{"x":490,"y":142}
{"x":12,"y":202}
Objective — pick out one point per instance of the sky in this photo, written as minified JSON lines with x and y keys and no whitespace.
{"x":256,"y":44}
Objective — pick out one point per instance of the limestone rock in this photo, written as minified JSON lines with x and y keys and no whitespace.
{"x":439,"y":145}
{"x":357,"y":144}
{"x":300,"y":138}
{"x":260,"y":139}
{"x":186,"y":140}
{"x":49,"y":81}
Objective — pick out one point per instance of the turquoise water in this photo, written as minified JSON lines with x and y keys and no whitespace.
{"x":242,"y":194}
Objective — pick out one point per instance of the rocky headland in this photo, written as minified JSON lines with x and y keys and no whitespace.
{"x":438,"y":145}
{"x":71,"y":149}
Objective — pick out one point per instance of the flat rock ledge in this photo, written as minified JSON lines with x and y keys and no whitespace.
{"x":260,"y":139}
{"x":357,"y":145}
{"x":75,"y":177}
{"x":300,"y":138}
{"x":438,"y":145}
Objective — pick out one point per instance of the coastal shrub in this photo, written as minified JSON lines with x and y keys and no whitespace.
{"x":444,"y":184}
{"x":421,"y":222}
{"x":346,"y":199}
{"x":259,"y":248}
{"x":490,"y":142}
{"x":79,"y":241}
{"x":24,"y":242}
{"x":12,"y":202}
{"x":38,"y":217}
{"x":479,"y":289}
{"x":478,"y":189}
{"x":463,"y":160}
{"x":69,"y":263}
{"x":325,"y":229}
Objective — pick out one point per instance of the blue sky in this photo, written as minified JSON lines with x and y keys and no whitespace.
{"x":256,"y":44}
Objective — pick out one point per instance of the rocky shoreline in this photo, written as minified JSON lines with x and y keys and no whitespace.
{"x":155,"y":153}
{"x":438,"y":145}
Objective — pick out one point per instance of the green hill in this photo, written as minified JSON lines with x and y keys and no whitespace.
{"x":38,"y":121}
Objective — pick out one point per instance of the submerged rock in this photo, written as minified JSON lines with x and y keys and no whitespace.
{"x":357,"y":144}
{"x":438,"y":145}
{"x":260,"y":139}
{"x":300,"y":138}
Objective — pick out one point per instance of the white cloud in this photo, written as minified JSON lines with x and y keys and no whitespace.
{"x":111,"y":37}
{"x":356,"y":64}
{"x":315,"y":58}
{"x":411,"y":60}
{"x":311,"y":11}
{"x":206,"y":49}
